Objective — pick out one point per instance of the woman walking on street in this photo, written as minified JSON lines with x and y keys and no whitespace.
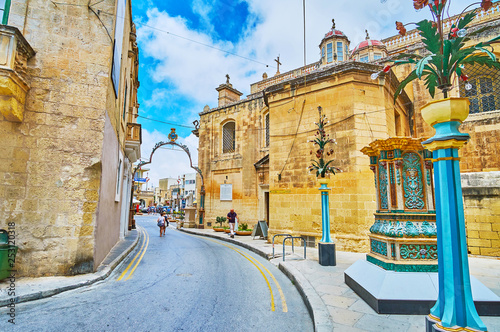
{"x":162,"y":223}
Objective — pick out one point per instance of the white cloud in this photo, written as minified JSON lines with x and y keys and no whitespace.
{"x":168,"y":161}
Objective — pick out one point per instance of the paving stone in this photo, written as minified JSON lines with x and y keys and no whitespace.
{"x":338,"y":301}
{"x":344,"y":316}
{"x":381,"y":323}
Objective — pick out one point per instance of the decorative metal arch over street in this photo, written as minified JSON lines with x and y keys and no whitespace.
{"x":172,"y":141}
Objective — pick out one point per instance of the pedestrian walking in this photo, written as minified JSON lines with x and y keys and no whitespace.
{"x":162,"y":222}
{"x":231,"y":219}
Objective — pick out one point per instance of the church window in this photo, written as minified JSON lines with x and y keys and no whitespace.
{"x":267,"y":129}
{"x":4,"y":10}
{"x":329,"y":53}
{"x":363,"y":58}
{"x":228,"y":137}
{"x":483,"y":92}
{"x":340,"y":51}
{"x":377,"y":56}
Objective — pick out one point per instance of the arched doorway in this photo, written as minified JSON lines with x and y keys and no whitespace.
{"x":172,"y":141}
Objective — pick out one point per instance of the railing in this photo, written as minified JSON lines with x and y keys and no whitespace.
{"x":281,"y":235}
{"x":294,"y":237}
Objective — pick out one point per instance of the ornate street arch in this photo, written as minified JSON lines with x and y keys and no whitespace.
{"x":172,"y":141}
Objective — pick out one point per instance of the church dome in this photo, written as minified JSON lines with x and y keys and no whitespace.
{"x":334,"y":46}
{"x":369,"y":50}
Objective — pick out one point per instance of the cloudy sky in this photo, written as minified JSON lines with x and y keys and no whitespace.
{"x":188,"y":46}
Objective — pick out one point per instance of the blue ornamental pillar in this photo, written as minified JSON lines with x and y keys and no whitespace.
{"x":326,"y":247}
{"x":454,"y":309}
{"x":325,"y":211}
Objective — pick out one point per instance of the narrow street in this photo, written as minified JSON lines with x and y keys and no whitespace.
{"x":178,"y":282}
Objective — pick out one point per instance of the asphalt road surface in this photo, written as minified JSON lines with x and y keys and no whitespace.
{"x":179,"y":282}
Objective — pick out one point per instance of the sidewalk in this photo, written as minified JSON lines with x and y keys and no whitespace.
{"x":29,"y":289}
{"x":332,"y":304}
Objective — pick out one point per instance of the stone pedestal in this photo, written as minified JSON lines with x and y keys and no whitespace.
{"x":189,"y":217}
{"x":327,"y":255}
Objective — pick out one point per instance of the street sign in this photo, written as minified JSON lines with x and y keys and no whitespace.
{"x":260,"y":230}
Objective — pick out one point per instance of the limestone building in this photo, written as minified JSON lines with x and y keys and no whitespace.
{"x":69,"y":79}
{"x":253,"y":152}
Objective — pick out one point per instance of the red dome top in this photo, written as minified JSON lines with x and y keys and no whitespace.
{"x":334,"y":32}
{"x":367,"y":43}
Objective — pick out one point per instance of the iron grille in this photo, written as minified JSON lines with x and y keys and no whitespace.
{"x":267,"y":129}
{"x":228,"y":137}
{"x":484,"y":92}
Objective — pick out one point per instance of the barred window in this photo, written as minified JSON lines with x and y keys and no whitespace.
{"x":484,"y":83}
{"x":267,"y":129}
{"x":228,"y":137}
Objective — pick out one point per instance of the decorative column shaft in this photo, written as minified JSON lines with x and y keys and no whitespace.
{"x":325,"y":211}
{"x":454,"y":309}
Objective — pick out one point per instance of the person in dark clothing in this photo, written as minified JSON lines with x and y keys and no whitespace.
{"x":231,"y":219}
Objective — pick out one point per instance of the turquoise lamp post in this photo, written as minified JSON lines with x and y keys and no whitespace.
{"x":454,"y":309}
{"x":326,"y":246}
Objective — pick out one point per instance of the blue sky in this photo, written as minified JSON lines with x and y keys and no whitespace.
{"x":181,"y":64}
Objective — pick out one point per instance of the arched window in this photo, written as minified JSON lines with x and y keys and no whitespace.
{"x":267,"y":129}
{"x":228,"y":137}
{"x":483,"y":93}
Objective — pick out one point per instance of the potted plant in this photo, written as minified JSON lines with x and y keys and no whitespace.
{"x":243,"y":229}
{"x":219,"y":220}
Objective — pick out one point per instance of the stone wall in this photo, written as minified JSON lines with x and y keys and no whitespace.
{"x":482,"y":212}
{"x":236,"y":168}
{"x":52,"y":166}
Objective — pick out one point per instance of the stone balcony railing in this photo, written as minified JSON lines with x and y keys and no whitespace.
{"x":133,"y":141}
{"x":15,"y":52}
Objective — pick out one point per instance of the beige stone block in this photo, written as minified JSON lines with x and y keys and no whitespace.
{"x":479,"y":243}
{"x":488,"y":235}
{"x":473,"y":234}
{"x":475,"y":251}
{"x":495,"y":252}
{"x":478,"y":226}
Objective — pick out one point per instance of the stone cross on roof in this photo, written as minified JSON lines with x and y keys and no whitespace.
{"x":278,"y":63}
{"x":227,"y":78}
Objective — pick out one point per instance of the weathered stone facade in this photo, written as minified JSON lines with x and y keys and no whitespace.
{"x":270,"y":181}
{"x":65,"y":171}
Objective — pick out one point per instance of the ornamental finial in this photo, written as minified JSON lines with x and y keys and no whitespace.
{"x":333,"y":23}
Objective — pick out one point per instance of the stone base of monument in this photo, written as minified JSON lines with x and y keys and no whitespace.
{"x":327,"y":256}
{"x":409,"y":293}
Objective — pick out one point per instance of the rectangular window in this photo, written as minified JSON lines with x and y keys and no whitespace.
{"x":228,"y":138}
{"x":267,"y":129}
{"x":364,"y":58}
{"x":377,"y":56}
{"x":340,"y":51}
{"x":118,"y":45}
{"x":323,"y":53}
{"x":125,"y":102}
{"x":4,"y":10}
{"x":310,"y":241}
{"x":329,"y":53}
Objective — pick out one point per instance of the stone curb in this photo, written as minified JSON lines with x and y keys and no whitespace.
{"x":102,"y":273}
{"x":316,"y":307}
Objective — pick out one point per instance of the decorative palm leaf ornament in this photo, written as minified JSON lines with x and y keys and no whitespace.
{"x":446,"y":53}
{"x":322,"y":139}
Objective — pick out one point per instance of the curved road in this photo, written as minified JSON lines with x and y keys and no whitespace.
{"x":179,"y":282}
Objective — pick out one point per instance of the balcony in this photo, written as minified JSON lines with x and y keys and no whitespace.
{"x":15,"y":52}
{"x":133,"y":141}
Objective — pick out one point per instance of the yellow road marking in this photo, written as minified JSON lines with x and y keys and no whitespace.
{"x":140,"y":258}
{"x":133,"y":260}
{"x":251,"y":259}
